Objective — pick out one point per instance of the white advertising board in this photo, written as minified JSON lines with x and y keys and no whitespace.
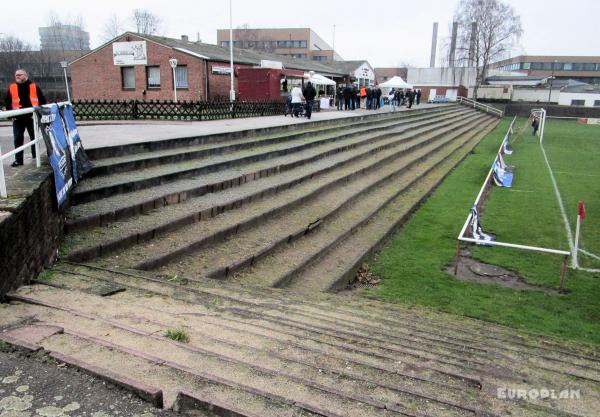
{"x":130,"y":53}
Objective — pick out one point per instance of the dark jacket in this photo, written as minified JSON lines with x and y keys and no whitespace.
{"x":378,"y":92}
{"x":23,"y":89}
{"x":347,"y":92}
{"x":369,"y":93}
{"x":309,"y":92}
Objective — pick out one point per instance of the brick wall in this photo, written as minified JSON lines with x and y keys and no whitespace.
{"x":96,"y":77}
{"x":30,"y":234}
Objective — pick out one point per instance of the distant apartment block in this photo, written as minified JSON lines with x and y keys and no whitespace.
{"x":301,"y":43}
{"x":64,"y":38}
{"x":581,"y":68}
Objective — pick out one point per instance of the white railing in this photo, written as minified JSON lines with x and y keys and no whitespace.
{"x":486,"y":184}
{"x":477,"y":105}
{"x":5,"y":115}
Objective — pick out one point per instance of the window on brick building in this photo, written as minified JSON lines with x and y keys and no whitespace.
{"x":577,"y":102}
{"x":181,"y":76}
{"x":153,"y":77}
{"x":596,"y":103}
{"x":128,"y":78}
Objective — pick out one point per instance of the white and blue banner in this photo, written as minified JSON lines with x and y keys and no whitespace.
{"x":79,"y":160}
{"x":503,"y":174}
{"x":53,"y":132}
{"x":476,"y":229}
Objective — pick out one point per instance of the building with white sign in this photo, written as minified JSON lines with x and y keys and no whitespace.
{"x":359,"y":71}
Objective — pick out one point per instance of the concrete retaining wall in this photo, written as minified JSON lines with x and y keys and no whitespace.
{"x":31,"y":228}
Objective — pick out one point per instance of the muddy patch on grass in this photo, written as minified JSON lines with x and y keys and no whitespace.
{"x":474,"y":271}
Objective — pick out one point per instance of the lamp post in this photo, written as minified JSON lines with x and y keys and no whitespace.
{"x":173,"y":64}
{"x":551,"y":80}
{"x":231,"y":90}
{"x":64,"y":65}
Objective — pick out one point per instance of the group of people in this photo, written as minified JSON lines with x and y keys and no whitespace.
{"x":297,"y":96}
{"x":400,"y":98}
{"x":349,"y":97}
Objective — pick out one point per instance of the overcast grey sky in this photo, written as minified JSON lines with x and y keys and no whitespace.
{"x":385,"y":32}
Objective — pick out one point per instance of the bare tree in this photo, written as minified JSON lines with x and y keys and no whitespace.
{"x":487,"y":30}
{"x":14,"y":53}
{"x":145,"y":21}
{"x":250,"y":39}
{"x":113,"y":28}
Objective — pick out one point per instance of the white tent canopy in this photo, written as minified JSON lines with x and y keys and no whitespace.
{"x":319,"y":79}
{"x":395,"y":82}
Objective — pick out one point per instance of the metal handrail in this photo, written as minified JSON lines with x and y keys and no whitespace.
{"x":5,"y":115}
{"x":476,"y":104}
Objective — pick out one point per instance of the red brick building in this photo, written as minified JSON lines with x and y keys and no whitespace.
{"x":135,"y":66}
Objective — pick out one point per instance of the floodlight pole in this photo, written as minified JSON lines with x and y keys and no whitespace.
{"x":231,"y":90}
{"x":173,"y":64}
{"x":551,"y":81}
{"x":64,"y":65}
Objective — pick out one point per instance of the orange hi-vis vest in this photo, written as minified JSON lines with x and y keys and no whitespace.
{"x":16,"y":101}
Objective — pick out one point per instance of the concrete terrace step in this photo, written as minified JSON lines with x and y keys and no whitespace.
{"x":322,"y":175}
{"x":362,"y":242}
{"x":328,"y":367}
{"x":98,"y":187}
{"x":308,"y":265}
{"x":186,"y":151}
{"x":358,"y":199}
{"x":157,"y":145}
{"x":109,"y":209}
{"x":271,"y":219}
{"x":135,"y":340}
{"x":372,"y":317}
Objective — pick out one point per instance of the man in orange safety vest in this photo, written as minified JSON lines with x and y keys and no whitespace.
{"x":23,"y":94}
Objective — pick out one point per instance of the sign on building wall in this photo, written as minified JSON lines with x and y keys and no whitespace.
{"x":364,"y":72}
{"x":221,"y":70}
{"x":130,"y":53}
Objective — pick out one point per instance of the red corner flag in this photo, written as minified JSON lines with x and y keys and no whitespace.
{"x":581,"y":210}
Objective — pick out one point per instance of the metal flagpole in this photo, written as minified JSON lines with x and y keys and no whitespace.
{"x":231,"y":91}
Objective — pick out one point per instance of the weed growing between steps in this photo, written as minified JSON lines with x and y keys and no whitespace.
{"x":178,"y":335}
{"x":412,"y":265}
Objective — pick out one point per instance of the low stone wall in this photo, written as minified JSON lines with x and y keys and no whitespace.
{"x":524,"y":110}
{"x":31,"y":228}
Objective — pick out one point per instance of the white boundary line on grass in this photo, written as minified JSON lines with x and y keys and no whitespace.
{"x":590,"y":254}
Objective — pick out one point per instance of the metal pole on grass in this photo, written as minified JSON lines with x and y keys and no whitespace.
{"x":563,"y":273}
{"x":457,"y":257}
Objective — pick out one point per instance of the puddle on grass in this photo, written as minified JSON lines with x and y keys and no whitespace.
{"x":473,"y":271}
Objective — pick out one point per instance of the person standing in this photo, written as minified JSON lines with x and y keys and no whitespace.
{"x":369,"y":98}
{"x":535,"y":124}
{"x":347,"y":97}
{"x":296,"y":100}
{"x":23,"y":94}
{"x":392,"y":99}
{"x":419,"y":96}
{"x":410,"y":96}
{"x":309,"y":94}
{"x":363,"y":95}
{"x":339,"y":97}
{"x":378,"y":97}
